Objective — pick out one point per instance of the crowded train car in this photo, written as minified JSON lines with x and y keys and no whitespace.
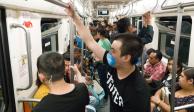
{"x":96,"y":56}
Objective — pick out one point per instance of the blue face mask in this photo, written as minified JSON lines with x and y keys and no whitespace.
{"x":111,"y":60}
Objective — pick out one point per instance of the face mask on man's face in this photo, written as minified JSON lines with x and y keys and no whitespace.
{"x":111,"y":60}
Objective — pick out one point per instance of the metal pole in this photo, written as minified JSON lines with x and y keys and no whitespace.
{"x":82,"y":55}
{"x":175,"y":58}
{"x":71,"y":50}
{"x":82,"y":51}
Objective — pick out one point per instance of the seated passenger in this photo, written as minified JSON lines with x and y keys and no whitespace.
{"x":66,"y":57}
{"x":154,"y":69}
{"x":183,"y":96}
{"x":165,"y":88}
{"x":95,"y":90}
{"x":62,"y":97}
{"x":41,"y":92}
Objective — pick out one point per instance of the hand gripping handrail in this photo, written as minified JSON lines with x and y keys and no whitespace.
{"x":28,"y":47}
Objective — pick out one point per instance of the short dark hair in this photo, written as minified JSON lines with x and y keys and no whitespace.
{"x":76,"y":49}
{"x":149,"y":51}
{"x":123,"y":24}
{"x":51,"y":64}
{"x":158,"y":54}
{"x":131,"y":45}
{"x":102,"y":31}
{"x":179,"y":65}
{"x":66,"y":56}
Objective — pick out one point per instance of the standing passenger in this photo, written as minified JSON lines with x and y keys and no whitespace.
{"x":101,"y":68}
{"x":62,"y":97}
{"x":127,"y":87}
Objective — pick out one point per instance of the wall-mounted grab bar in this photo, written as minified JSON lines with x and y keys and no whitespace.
{"x":28,"y":47}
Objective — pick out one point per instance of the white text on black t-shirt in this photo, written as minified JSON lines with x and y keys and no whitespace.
{"x":117,"y":99}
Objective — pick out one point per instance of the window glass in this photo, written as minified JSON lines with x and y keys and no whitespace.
{"x":137,"y":23}
{"x":49,"y":28}
{"x":167,"y":33}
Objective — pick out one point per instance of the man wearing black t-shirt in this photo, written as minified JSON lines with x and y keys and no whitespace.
{"x":127,"y":87}
{"x":62,"y":97}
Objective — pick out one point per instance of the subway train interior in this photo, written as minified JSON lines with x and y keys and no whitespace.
{"x":29,"y":28}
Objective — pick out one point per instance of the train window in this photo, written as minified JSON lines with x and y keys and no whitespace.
{"x":167,"y":32}
{"x":137,"y":23}
{"x":49,"y":29}
{"x":103,"y":12}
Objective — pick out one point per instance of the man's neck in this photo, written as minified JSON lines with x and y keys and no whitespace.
{"x":60,"y":87}
{"x":125,"y":71}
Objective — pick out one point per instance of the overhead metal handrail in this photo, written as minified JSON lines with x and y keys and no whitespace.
{"x":62,"y":4}
{"x":58,"y":2}
{"x":28,"y":48}
{"x":177,"y":5}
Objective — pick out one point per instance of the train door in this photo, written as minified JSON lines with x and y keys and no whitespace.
{"x":24,"y":38}
{"x":7,"y":102}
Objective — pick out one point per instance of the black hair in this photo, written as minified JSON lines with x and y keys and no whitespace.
{"x":102,"y":31}
{"x":131,"y":45}
{"x":66,"y":56}
{"x":123,"y":24}
{"x":179,"y":67}
{"x":51,"y":64}
{"x":38,"y":82}
{"x":149,"y":51}
{"x":158,"y":54}
{"x":189,"y":73}
{"x":115,"y":22}
{"x":76,"y":49}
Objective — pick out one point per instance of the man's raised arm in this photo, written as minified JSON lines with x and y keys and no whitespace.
{"x":85,"y":33}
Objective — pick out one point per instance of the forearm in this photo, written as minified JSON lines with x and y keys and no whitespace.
{"x":87,"y":38}
{"x":82,"y":30}
{"x":158,"y":93}
{"x":79,"y":78}
{"x":164,"y":106}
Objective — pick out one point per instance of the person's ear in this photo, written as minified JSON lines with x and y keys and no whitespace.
{"x":130,"y":29}
{"x":42,"y":77}
{"x":190,"y":81}
{"x":126,"y":58}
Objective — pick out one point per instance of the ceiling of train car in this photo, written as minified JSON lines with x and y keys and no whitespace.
{"x":107,"y":4}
